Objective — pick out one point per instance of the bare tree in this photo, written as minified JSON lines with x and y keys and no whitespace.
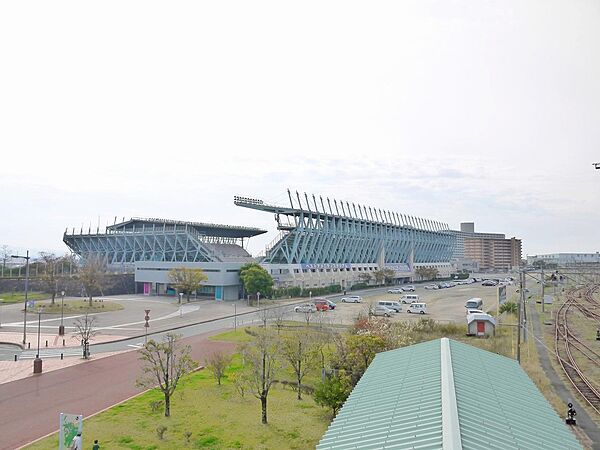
{"x":300,"y":354}
{"x":50,"y":276}
{"x":85,"y":329}
{"x":278,"y":317}
{"x":261,"y":357}
{"x":164,"y":364}
{"x":217,"y":363}
{"x":308,"y":316}
{"x":5,"y":253}
{"x":92,"y":274}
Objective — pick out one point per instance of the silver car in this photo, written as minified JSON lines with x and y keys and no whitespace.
{"x":352,"y":299}
{"x":307,"y":307}
{"x":381,"y":311}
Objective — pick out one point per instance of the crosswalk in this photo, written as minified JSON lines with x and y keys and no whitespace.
{"x":52,"y":353}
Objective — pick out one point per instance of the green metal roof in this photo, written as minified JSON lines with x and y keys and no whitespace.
{"x":443,"y":394}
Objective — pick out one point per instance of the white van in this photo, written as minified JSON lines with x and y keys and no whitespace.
{"x":409,"y":298}
{"x":417,"y":308}
{"x":474,"y":303}
{"x":396,"y":306}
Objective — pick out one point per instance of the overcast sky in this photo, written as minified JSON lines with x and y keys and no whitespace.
{"x":484,"y":111}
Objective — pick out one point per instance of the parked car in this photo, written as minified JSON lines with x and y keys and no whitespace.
{"x":474,"y":303}
{"x":417,"y":308}
{"x":395,"y":291}
{"x":326,"y":303}
{"x":393,"y":305}
{"x":409,"y":298}
{"x":352,"y":299}
{"x":381,"y":311}
{"x":322,"y":305}
{"x":445,"y":285}
{"x":432,"y":287}
{"x":307,"y":307}
{"x":409,"y":288}
{"x":489,"y":283}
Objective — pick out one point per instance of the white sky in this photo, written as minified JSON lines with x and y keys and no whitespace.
{"x":483,"y":111}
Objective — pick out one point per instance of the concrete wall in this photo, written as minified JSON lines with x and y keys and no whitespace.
{"x":223,"y":275}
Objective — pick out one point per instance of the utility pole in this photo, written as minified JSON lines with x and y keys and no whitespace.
{"x":521,"y":276}
{"x":543,"y":285}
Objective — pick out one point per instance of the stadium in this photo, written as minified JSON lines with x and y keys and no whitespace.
{"x":319,"y":243}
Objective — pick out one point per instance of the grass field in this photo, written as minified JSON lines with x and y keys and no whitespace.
{"x":8,"y":297}
{"x":78,"y":306}
{"x":217,"y":417}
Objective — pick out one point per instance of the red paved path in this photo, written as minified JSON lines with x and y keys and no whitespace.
{"x":30,"y":408}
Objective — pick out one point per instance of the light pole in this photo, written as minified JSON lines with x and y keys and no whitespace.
{"x":234,"y":316}
{"x":37,"y":362}
{"x":61,"y":328}
{"x":258,"y":299}
{"x":146,"y":325}
{"x":26,"y":291}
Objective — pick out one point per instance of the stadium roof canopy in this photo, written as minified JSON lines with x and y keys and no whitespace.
{"x":207,"y":229}
{"x":443,"y":394}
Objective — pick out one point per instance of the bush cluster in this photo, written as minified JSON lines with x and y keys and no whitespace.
{"x":296,"y":291}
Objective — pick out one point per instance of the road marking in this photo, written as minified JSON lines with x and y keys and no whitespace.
{"x":138,"y":346}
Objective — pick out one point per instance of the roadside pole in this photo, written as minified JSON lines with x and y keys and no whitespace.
{"x":521,"y":276}
{"x":543,"y":283}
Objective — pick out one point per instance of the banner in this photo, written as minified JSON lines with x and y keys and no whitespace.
{"x":501,"y":295}
{"x":70,"y":425}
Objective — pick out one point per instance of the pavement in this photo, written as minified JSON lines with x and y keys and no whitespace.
{"x":584,"y":422}
{"x":35,"y":403}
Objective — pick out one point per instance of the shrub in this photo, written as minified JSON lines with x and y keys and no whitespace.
{"x":160,"y":431}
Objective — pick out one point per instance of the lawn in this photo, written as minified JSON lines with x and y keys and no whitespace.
{"x":77,"y":306}
{"x":217,"y":417}
{"x":16,"y":297}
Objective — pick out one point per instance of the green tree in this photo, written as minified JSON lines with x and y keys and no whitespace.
{"x":361,"y":351}
{"x":164,"y":363}
{"x":256,"y":279}
{"x":332,"y":392}
{"x":187,"y":280}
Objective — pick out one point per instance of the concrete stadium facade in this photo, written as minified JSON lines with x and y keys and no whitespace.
{"x":321,"y":242}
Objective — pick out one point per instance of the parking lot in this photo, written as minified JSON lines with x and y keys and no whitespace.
{"x":447,"y":305}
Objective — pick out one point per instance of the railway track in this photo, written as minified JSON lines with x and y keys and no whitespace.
{"x":567,"y":345}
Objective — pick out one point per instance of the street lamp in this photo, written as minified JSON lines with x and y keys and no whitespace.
{"x":26,"y":291}
{"x":37,"y":362}
{"x":258,"y":299}
{"x":61,"y":328}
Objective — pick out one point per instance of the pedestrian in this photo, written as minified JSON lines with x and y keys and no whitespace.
{"x":76,"y":444}
{"x":96,"y":445}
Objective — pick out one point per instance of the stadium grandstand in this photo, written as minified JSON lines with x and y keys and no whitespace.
{"x":123,"y":244}
{"x":151,"y":247}
{"x":321,"y":242}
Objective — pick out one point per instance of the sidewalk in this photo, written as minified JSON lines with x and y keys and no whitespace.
{"x":54,"y":340}
{"x":17,"y":370}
